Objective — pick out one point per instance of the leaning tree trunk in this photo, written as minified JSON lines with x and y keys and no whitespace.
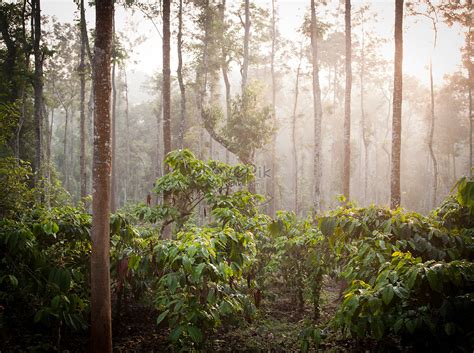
{"x":317,"y":111}
{"x":347,"y":103}
{"x":225,"y":71}
{"x":430,"y":141}
{"x":101,"y":323}
{"x":38,"y":87}
{"x":395,"y":195}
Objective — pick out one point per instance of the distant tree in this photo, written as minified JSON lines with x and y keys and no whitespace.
{"x":166,"y":79}
{"x":347,"y":102}
{"x":38,"y":86}
{"x":461,"y":12}
{"x":395,"y":194}
{"x":317,"y":111}
{"x":101,"y":323}
{"x":179,"y":72}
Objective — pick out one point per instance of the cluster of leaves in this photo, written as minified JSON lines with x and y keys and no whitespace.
{"x":44,"y":268}
{"x":409,"y":275}
{"x":298,"y":258}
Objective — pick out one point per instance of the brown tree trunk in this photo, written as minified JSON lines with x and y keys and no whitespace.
{"x":182,"y":88}
{"x":38,"y":87}
{"x":83,"y":130}
{"x":318,"y":112}
{"x":101,"y":323}
{"x":113,"y":191}
{"x":395,"y":195}
{"x":347,"y":103}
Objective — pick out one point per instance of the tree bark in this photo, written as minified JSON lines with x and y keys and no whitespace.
{"x":395,"y":194}
{"x":38,"y":87}
{"x":83,"y":130}
{"x":347,"y":103}
{"x":274,"y":163}
{"x":245,"y":66}
{"x":127,"y":138}
{"x":101,"y":324}
{"x":166,"y":80}
{"x":317,"y":111}
{"x":225,"y":69}
{"x":113,"y":191}
{"x":182,"y":88}
{"x":293,"y":129}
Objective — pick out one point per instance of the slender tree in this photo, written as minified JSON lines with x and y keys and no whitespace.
{"x":113,"y":191}
{"x":317,"y":111}
{"x":395,"y":195}
{"x":294,"y":126}
{"x":245,"y":65}
{"x":347,"y":103}
{"x":274,"y":164}
{"x":38,"y":85}
{"x":82,"y":75}
{"x":101,"y":323}
{"x":166,"y":79}
{"x":179,"y":71}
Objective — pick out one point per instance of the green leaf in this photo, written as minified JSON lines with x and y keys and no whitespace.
{"x":434,"y":280}
{"x":176,"y":333}
{"x":162,"y":316}
{"x":387,"y":294}
{"x":195,"y":334}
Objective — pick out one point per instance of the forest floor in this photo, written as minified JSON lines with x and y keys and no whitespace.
{"x":276,"y":328}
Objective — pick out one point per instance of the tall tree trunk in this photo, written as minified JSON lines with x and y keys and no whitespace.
{"x":395,"y":195}
{"x":347,"y":103}
{"x":293,"y":129}
{"x":113,"y":191}
{"x":182,"y":88}
{"x":83,"y":130}
{"x":430,"y":141}
{"x":127,"y":138}
{"x":166,"y":80}
{"x":363,"y":127}
{"x":245,"y":66}
{"x":225,"y":68}
{"x":318,"y":112}
{"x":66,"y":151}
{"x":166,"y":231}
{"x":273,"y":202}
{"x":470,"y":75}
{"x":38,"y":87}
{"x":101,"y":323}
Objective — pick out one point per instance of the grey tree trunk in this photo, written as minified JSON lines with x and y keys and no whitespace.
{"x":245,"y":67}
{"x":182,"y":88}
{"x":347,"y":104}
{"x":273,"y":203}
{"x":101,"y":323}
{"x":38,"y":87}
{"x":293,"y":130}
{"x":395,"y":194}
{"x":317,"y":111}
{"x":83,"y":130}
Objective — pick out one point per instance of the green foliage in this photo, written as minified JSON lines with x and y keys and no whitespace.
{"x":16,"y":194}
{"x":199,"y":279}
{"x":410,"y":275}
{"x":44,"y":268}
{"x":248,"y":128}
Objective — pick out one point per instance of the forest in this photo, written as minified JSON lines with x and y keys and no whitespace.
{"x":160,"y":191}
